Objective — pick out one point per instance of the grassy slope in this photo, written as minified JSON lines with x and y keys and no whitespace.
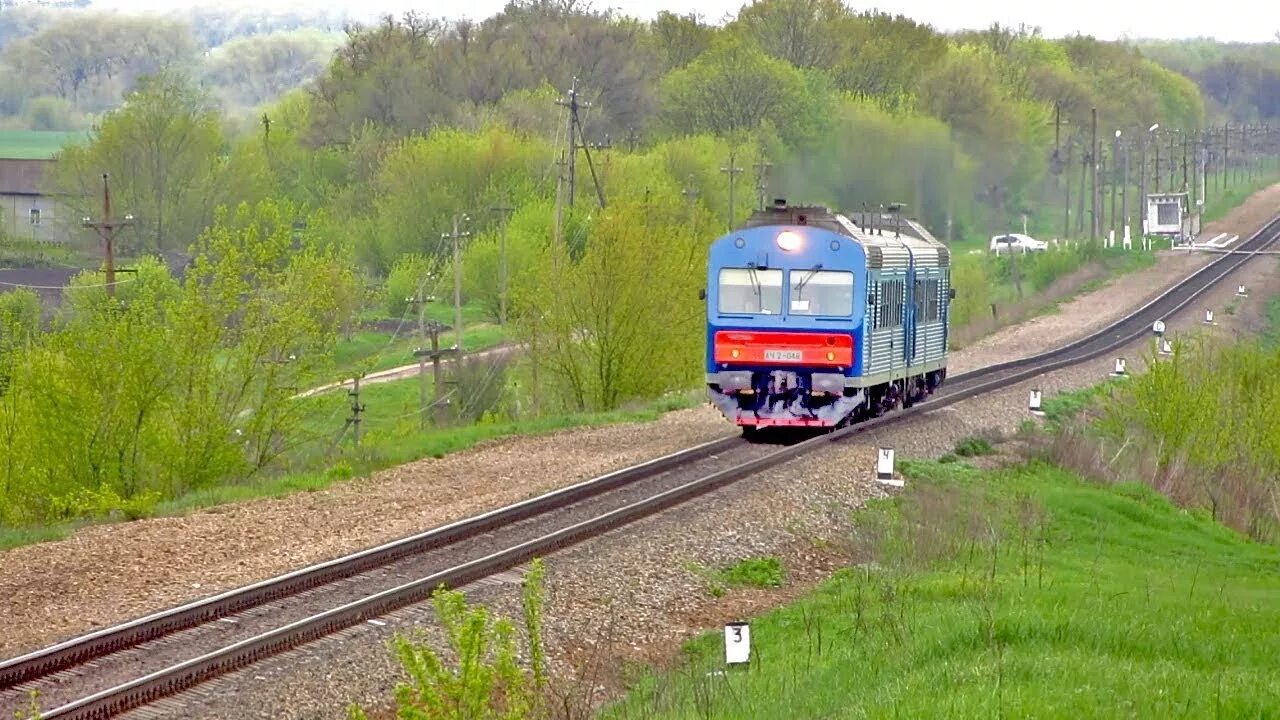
{"x":1130,"y":607}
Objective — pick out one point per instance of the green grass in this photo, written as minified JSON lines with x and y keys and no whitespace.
{"x":370,"y":350}
{"x":759,"y":572}
{"x":35,"y":144}
{"x":1271,"y":335}
{"x":373,"y":350}
{"x":1219,"y":202}
{"x":1021,"y":593}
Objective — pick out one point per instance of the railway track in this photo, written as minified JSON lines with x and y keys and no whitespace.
{"x":109,"y":672}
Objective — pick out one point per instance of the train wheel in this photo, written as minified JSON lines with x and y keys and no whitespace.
{"x":750,"y":432}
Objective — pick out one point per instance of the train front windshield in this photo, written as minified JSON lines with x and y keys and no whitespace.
{"x":821,"y":292}
{"x":810,"y":292}
{"x":751,"y":291}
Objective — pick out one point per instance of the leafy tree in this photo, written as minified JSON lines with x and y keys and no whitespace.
{"x":19,"y":324}
{"x":678,"y":39}
{"x":261,"y":68}
{"x":599,"y":316}
{"x":804,"y":33}
{"x":736,"y":88}
{"x":886,"y":56}
{"x":423,"y":182}
{"x":161,"y":150}
{"x":165,"y":388}
{"x":79,"y":52}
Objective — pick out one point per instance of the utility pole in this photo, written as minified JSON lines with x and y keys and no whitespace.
{"x":732,"y":170}
{"x":1197,"y":168}
{"x":356,"y":407}
{"x":1226,"y":154}
{"x":1115,"y":181}
{"x":578,"y":139}
{"x":505,"y":211}
{"x":572,"y":129}
{"x":632,"y":139}
{"x":435,"y":353}
{"x":106,"y":228}
{"x":1142,"y":191}
{"x":456,"y":236}
{"x":1066,"y":203}
{"x":1094,"y":198}
{"x":690,"y":193}
{"x":1084,"y":172}
{"x":1184,"y":161}
{"x":762,"y":181}
{"x":1124,"y":193}
{"x":1156,"y":165}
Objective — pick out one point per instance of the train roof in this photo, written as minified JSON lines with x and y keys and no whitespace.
{"x":889,"y":238}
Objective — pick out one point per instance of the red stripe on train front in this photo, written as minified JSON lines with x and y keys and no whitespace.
{"x":783,"y":348}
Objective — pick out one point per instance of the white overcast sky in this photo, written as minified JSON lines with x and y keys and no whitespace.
{"x":1240,"y":20}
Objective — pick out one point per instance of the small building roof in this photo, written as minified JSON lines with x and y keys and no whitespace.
{"x":22,"y":176}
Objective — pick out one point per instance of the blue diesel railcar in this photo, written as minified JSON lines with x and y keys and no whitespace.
{"x":814,"y":320}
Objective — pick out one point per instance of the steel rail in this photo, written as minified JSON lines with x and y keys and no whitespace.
{"x":165,"y":682}
{"x":79,"y":650}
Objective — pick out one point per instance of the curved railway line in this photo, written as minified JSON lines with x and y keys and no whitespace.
{"x":117,"y":669}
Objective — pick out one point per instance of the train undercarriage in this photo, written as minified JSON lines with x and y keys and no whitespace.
{"x":807,"y":399}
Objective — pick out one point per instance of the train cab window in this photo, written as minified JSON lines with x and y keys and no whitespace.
{"x":821,"y":292}
{"x":890,"y":303}
{"x":752,"y":291}
{"x":928,"y":300}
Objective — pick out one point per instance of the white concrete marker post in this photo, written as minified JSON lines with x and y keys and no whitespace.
{"x":1119,"y":371}
{"x":1157,"y":327}
{"x":884,"y":468}
{"x":1208,"y":317}
{"x":1242,"y":292}
{"x":1166,"y":347}
{"x":1033,"y":403}
{"x":737,"y":643}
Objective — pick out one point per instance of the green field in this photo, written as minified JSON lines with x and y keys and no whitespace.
{"x":1024,"y":593}
{"x":35,"y":144}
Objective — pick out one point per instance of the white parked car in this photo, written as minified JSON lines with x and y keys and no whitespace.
{"x":1017,"y":241}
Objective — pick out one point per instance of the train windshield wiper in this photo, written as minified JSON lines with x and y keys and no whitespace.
{"x":805,"y":280}
{"x":755,"y":284}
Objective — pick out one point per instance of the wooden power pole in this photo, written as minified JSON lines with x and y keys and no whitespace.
{"x":106,"y":227}
{"x":456,"y":236}
{"x":434,"y":354}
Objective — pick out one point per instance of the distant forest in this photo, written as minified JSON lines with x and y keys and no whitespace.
{"x":63,"y":63}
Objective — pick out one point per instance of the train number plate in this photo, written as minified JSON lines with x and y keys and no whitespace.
{"x":785,"y":355}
